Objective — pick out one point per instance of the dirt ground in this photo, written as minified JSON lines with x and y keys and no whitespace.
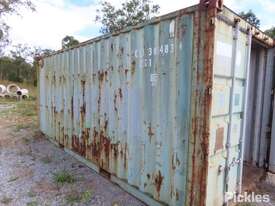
{"x":35,"y":172}
{"x":254,"y":180}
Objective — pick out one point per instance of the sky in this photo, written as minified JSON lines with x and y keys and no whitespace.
{"x":54,"y":19}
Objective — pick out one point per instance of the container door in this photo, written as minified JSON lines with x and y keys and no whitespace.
{"x":231,"y":60}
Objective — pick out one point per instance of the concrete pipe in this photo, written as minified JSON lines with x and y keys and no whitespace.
{"x":12,"y":88}
{"x":7,"y":96}
{"x":3,"y":89}
{"x":22,"y":92}
{"x":24,"y":96}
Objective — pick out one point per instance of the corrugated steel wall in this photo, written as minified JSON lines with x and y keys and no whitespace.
{"x":124,"y":104}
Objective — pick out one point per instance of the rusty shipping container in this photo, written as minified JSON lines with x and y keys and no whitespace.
{"x":160,"y":108}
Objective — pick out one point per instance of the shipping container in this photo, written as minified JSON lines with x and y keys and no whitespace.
{"x":160,"y":108}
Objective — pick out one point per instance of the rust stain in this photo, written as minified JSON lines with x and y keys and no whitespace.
{"x":120,"y":93}
{"x":72,"y":108}
{"x":125,"y":156}
{"x":158,"y":182}
{"x":100,"y":148}
{"x":82,"y":114}
{"x":106,"y":75}
{"x":114,"y":148}
{"x":133,"y":67}
{"x":66,"y":139}
{"x":83,"y":107}
{"x":100,"y":76}
{"x":115,"y":102}
{"x":150,"y":132}
{"x":79,"y":144}
{"x":219,"y":139}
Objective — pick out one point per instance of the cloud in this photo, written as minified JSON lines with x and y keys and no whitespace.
{"x":50,"y":23}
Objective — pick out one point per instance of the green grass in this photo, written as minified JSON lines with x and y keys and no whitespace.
{"x":79,"y":198}
{"x":13,"y":179}
{"x":33,"y":203}
{"x":18,"y":127}
{"x":31,"y":194}
{"x":62,"y":177}
{"x":46,"y":159}
{"x":6,"y":200}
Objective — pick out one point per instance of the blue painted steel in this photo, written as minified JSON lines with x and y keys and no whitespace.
{"x":124,"y":103}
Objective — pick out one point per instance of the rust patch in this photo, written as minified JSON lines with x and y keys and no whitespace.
{"x":100,"y":76}
{"x":150,"y":132}
{"x":66,"y":140}
{"x":120,"y":93}
{"x":72,"y":108}
{"x":79,"y":145}
{"x":82,"y":114}
{"x":115,"y":102}
{"x":100,"y":148}
{"x":219,"y":139}
{"x":125,"y":156}
{"x":83,"y":107}
{"x":133,"y":67}
{"x":114,"y":148}
{"x":106,"y":75}
{"x":105,"y":125}
{"x":158,"y":182}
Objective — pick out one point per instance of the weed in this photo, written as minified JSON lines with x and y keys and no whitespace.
{"x":77,"y":198}
{"x":62,"y":177}
{"x":46,"y":159}
{"x":13,"y":179}
{"x":31,"y":194}
{"x":73,"y":198}
{"x":26,"y":140}
{"x":18,"y":127}
{"x":86,"y":196}
{"x":34,"y":203}
{"x":6,"y":200}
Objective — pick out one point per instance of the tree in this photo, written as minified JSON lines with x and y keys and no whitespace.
{"x":20,"y":64}
{"x":271,"y":32}
{"x":251,"y":18}
{"x":69,"y":41}
{"x":131,"y":13}
{"x":10,"y":7}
